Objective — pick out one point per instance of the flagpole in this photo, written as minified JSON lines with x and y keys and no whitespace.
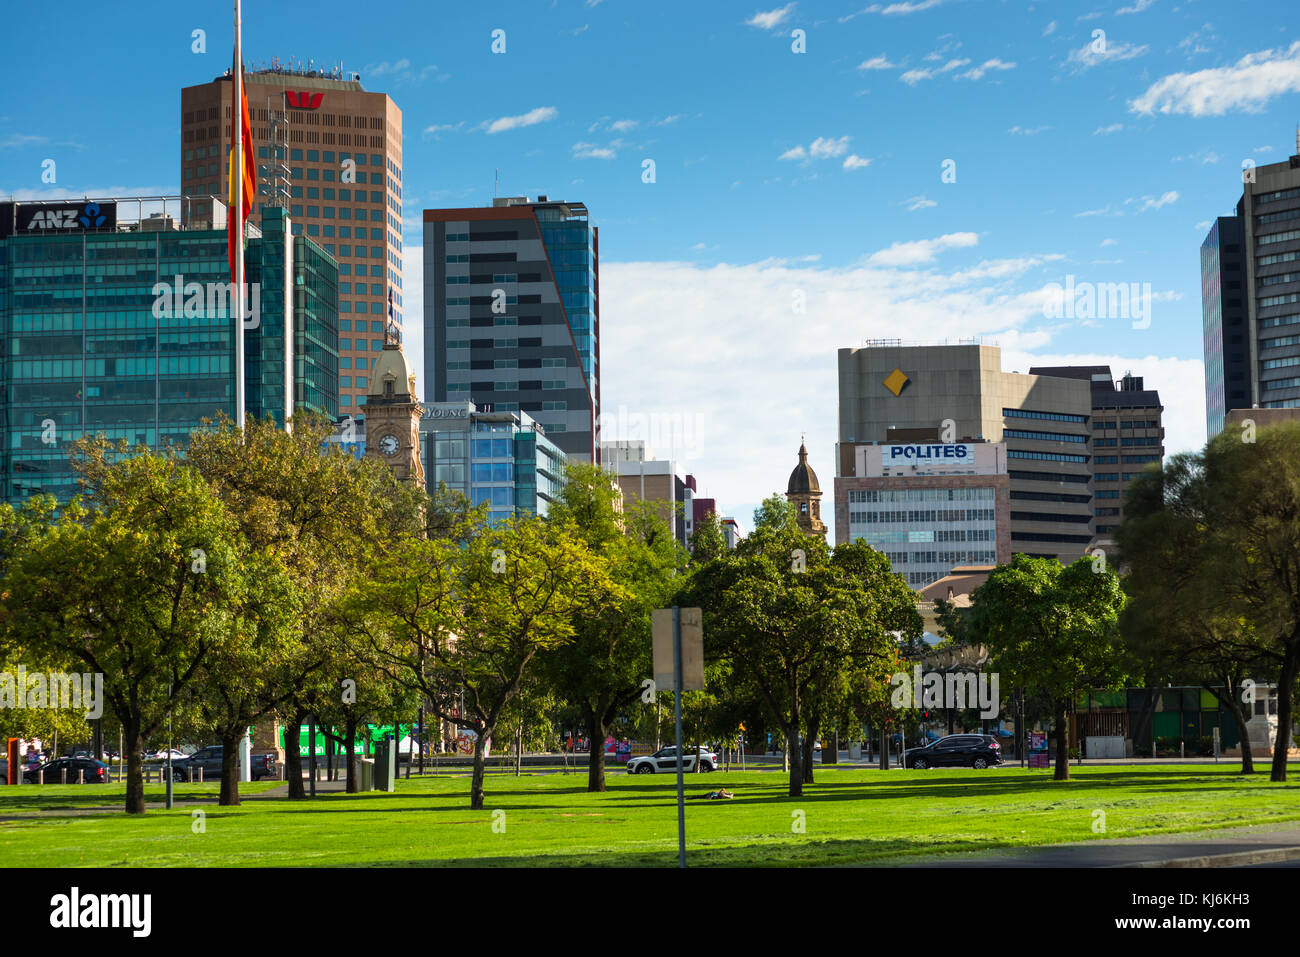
{"x":237,"y":175}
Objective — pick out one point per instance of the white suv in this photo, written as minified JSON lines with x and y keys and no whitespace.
{"x":665,"y":760}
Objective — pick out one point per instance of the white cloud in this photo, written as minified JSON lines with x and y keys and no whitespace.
{"x":1138,"y":7}
{"x":592,"y":151}
{"x":1203,"y":225}
{"x":1181,"y":383}
{"x":902,"y":9}
{"x":877,"y":63}
{"x":623,"y":126}
{"x":921,"y":250}
{"x":821,"y":148}
{"x":540,"y":115}
{"x":1089,"y":55}
{"x":656,"y":349}
{"x":1247,"y":85}
{"x":386,"y":68}
{"x":1107,"y":130}
{"x":919,"y":202}
{"x":1109,"y":242}
{"x":413,"y":311}
{"x":1028,"y":131}
{"x":771,"y":18}
{"x":854,"y":161}
{"x":668,"y":120}
{"x":978,"y":72}
{"x":442,"y":128}
{"x":913,"y":77}
{"x":1165,"y":199}
{"x":19,"y":140}
{"x":1049,"y":29}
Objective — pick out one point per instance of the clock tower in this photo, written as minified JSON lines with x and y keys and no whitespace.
{"x":393,"y":416}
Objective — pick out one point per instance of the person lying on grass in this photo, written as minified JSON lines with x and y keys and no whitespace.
{"x":719,"y":795}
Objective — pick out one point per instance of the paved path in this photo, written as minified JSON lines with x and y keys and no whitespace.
{"x":1227,"y":847}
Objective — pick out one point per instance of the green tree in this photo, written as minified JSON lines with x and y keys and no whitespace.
{"x":797,"y":622}
{"x":1179,"y":619}
{"x":601,"y":667}
{"x":323,"y":515}
{"x":140,"y":584}
{"x":1054,"y":628}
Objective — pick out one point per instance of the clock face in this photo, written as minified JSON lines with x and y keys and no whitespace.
{"x":388,"y":444}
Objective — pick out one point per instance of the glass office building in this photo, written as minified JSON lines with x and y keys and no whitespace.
{"x":512,"y":314}
{"x":122,"y":325}
{"x":501,"y":458}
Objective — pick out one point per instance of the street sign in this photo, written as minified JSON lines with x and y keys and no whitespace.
{"x":692,"y":621}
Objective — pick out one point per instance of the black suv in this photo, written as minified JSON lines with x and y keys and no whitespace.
{"x":957,"y":750}
{"x":209,"y":759}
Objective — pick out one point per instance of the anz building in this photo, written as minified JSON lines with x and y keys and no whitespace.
{"x":118,"y":321}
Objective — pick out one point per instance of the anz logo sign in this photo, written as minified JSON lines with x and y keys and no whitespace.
{"x":303,"y":100}
{"x":69,"y":216}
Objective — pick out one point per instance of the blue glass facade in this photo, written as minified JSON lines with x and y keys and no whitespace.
{"x":571,"y":246}
{"x":502,"y":459}
{"x":98,"y":340}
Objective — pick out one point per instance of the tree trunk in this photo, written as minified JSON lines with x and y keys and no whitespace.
{"x":134,"y":768}
{"x":476,"y":784}
{"x":884,"y":749}
{"x":596,"y":754}
{"x":293,"y":756}
{"x":1062,"y":741}
{"x":354,"y":786}
{"x":1285,"y":690}
{"x":1239,"y":717}
{"x":794,"y":752}
{"x":806,"y":750}
{"x":1142,"y":729}
{"x":229,"y":796}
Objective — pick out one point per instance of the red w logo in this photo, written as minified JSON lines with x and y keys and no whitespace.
{"x":303,"y":100}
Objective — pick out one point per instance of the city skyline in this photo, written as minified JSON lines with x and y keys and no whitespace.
{"x":798,"y":203}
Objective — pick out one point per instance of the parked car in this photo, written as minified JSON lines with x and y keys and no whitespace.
{"x":70,"y":770}
{"x":665,"y":761}
{"x":956,"y":750}
{"x":161,"y":756}
{"x":209,"y":759}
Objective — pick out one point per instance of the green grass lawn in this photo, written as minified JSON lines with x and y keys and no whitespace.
{"x":849,"y":816}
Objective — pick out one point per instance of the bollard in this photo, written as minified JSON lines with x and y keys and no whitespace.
{"x":40,"y":776}
{"x":64,"y":772}
{"x":200,"y":774}
{"x":81,"y":775}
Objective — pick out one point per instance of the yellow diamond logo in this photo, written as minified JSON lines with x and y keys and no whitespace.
{"x":896,"y":382}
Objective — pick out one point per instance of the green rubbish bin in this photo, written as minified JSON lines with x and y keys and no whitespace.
{"x":385,"y":765}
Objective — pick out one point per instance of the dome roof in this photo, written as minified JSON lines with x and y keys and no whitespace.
{"x":803,"y":478}
{"x":391,"y":366}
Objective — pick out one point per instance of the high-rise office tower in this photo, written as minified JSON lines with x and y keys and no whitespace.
{"x":117,"y":321}
{"x":1250,"y":296}
{"x":512,"y":314}
{"x":946,"y":460}
{"x":330,"y":153}
{"x":1127,"y":436}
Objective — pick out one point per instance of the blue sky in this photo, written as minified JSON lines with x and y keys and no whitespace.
{"x":798,"y":203}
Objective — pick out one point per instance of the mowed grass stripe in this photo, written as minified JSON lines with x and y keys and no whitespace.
{"x":850,"y":816}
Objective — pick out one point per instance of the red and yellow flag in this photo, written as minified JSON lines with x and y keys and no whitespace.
{"x":244,"y":166}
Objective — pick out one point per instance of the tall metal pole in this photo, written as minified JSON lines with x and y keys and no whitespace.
{"x":236,"y":174}
{"x":677,"y":716}
{"x":171,"y":799}
{"x":311,"y":746}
